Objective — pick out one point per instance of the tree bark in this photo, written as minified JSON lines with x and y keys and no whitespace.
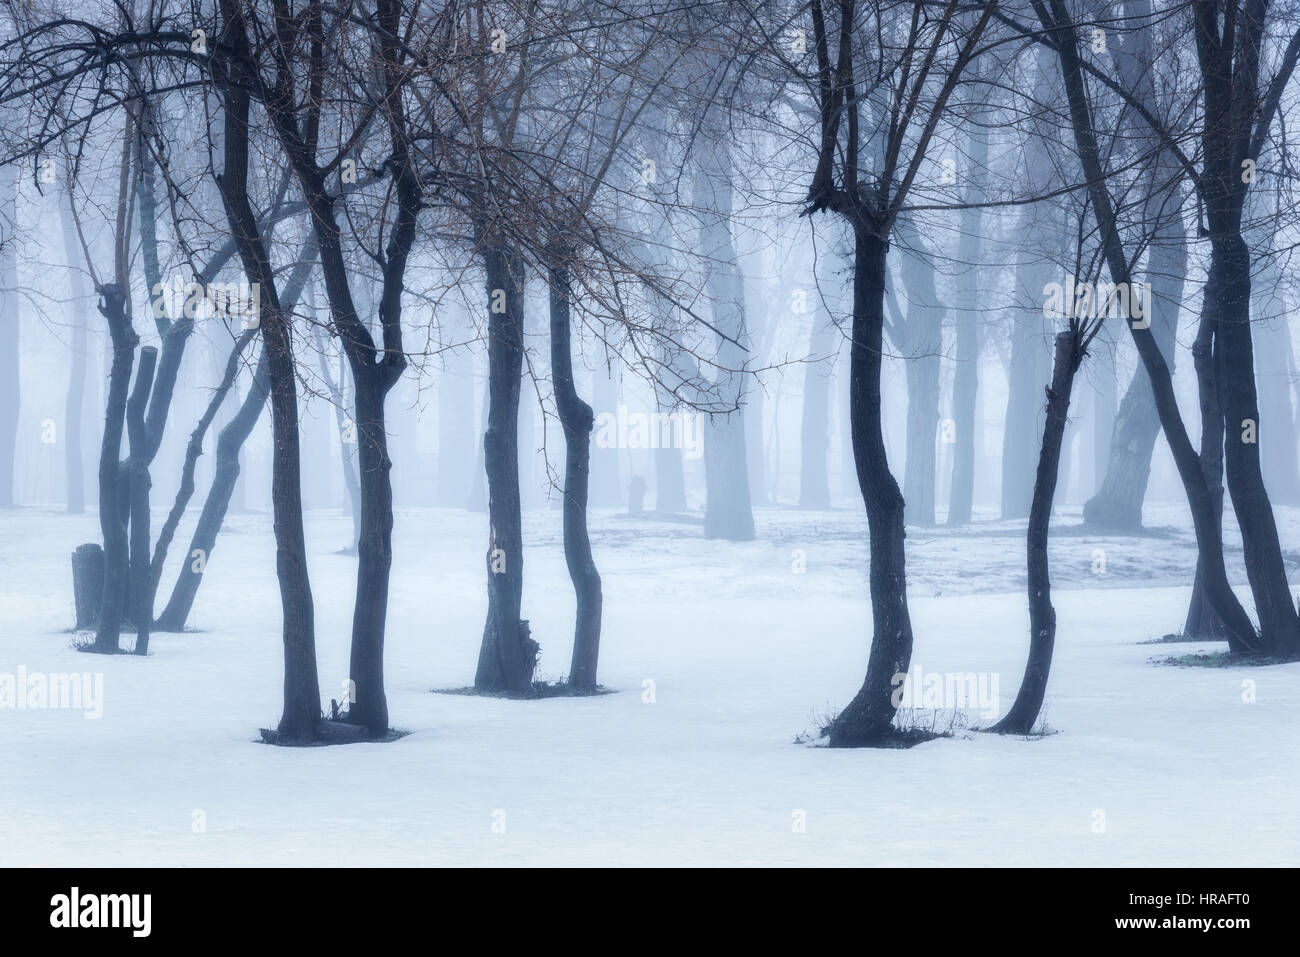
{"x":1042,"y":616}
{"x":577,"y":419}
{"x":868,"y":717}
{"x":507,"y":656}
{"x":301,"y":717}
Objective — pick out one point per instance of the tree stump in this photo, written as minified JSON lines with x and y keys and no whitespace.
{"x":88,"y":583}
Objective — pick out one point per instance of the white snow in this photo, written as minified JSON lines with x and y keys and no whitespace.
{"x":743,"y":653}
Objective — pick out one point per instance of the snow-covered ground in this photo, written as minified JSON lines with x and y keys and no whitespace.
{"x":1151,"y":764}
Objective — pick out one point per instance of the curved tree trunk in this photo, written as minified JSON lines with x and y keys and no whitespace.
{"x":577,"y":419}
{"x":1042,"y":616}
{"x":1228,"y":294}
{"x":868,"y":717}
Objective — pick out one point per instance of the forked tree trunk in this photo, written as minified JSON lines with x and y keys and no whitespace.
{"x":507,"y":655}
{"x":1228,"y":294}
{"x":1200,"y":501}
{"x":1042,"y":616}
{"x":577,"y":419}
{"x":301,"y":719}
{"x":1203,"y":621}
{"x":867,"y":719}
{"x":116,"y":548}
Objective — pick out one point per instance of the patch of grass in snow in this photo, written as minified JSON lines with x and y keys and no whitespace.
{"x":1179,"y":638}
{"x":1217,"y":659}
{"x":912,"y":726}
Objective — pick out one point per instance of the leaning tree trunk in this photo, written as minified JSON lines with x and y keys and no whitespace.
{"x":1042,"y":616}
{"x":867,"y":719}
{"x":116,"y":549}
{"x":138,"y":472}
{"x":507,"y":656}
{"x":225,"y":475}
{"x":577,"y":419}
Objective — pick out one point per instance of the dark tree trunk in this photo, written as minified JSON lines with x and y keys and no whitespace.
{"x":507,"y":656}
{"x":138,"y":471}
{"x":577,"y":419}
{"x":1042,"y":616}
{"x":116,"y":548}
{"x":867,"y":719}
{"x":301,"y":718}
{"x":374,"y":554}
